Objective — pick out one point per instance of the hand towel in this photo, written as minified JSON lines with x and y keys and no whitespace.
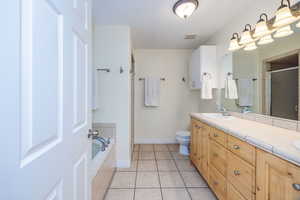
{"x":206,"y":90}
{"x":230,"y":88}
{"x":245,"y":91}
{"x":152,"y":92}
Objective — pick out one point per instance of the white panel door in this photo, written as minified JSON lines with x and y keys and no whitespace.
{"x":46,"y":112}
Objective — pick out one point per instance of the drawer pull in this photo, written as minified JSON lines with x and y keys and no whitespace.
{"x":236,"y":147}
{"x":237,"y":172}
{"x":296,"y":187}
{"x":216,"y":135}
{"x":215,"y":183}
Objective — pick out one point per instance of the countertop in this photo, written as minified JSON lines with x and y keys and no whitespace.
{"x":277,"y":141}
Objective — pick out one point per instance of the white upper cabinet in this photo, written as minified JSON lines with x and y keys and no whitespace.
{"x":203,"y":60}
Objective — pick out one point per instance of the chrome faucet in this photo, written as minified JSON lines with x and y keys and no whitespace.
{"x":103,"y":146}
{"x":224,"y":111}
{"x":104,"y":142}
{"x":245,"y":110}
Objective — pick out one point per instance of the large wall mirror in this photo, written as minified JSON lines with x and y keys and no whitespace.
{"x":268,"y":78}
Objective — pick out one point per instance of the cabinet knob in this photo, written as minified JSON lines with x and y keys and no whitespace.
{"x":216,"y":135}
{"x":296,"y":187}
{"x":237,"y":172}
{"x":236,"y":147}
{"x":215,"y":155}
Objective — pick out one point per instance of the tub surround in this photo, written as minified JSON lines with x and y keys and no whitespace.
{"x":275,"y":140}
{"x":103,"y":164}
{"x":102,"y":176}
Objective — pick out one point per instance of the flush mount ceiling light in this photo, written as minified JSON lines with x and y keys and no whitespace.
{"x":284,"y":15}
{"x":185,"y":8}
{"x":283,"y":32}
{"x":261,"y":28}
{"x":246,"y":36}
{"x":234,"y":42}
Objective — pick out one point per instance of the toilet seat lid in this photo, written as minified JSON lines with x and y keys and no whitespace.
{"x":183,"y":134}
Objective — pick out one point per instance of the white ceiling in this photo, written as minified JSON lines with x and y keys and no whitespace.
{"x":153,"y":24}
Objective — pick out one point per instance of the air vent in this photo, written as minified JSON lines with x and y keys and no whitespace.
{"x":190,"y":37}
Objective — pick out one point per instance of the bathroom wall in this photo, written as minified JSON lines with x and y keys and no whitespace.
{"x":112,"y":49}
{"x":159,"y":125}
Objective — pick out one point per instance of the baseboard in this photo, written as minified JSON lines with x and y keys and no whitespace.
{"x":123,"y":163}
{"x":155,"y":141}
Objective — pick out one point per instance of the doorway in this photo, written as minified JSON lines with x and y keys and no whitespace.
{"x":282,"y":87}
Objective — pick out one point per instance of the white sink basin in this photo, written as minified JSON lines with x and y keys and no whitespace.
{"x":217,"y":116}
{"x":297,"y":144}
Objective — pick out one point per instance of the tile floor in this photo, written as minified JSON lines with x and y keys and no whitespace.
{"x":158,"y":172}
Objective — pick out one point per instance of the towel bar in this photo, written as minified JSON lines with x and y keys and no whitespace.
{"x":142,"y":79}
{"x":230,"y":74}
{"x":103,"y":69}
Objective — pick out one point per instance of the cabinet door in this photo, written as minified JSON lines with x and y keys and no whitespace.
{"x":194,"y":138}
{"x":233,"y":194}
{"x":199,"y":146}
{"x":205,"y":151}
{"x":276,"y":179}
{"x":217,"y":183}
{"x":218,"y":157}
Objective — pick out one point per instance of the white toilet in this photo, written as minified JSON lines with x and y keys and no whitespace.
{"x":183,"y":138}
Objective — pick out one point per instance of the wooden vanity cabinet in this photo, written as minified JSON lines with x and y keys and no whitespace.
{"x":199,"y":147}
{"x":194,"y":141}
{"x":276,"y":179}
{"x":236,"y":170}
{"x":204,"y":151}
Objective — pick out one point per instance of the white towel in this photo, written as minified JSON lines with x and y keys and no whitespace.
{"x":245,"y":90}
{"x":206,"y":90}
{"x":152,"y":92}
{"x":230,"y":88}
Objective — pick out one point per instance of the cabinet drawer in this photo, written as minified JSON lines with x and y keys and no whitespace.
{"x":242,"y":149}
{"x":217,"y":157}
{"x":241,"y":175}
{"x":218,"y":183}
{"x":233,"y":194}
{"x":218,"y":136}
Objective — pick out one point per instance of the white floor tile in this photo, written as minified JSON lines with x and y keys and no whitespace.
{"x":123,"y":180}
{"x":147,"y":180}
{"x":175,"y":194}
{"x":170,"y":180}
{"x":148,"y":194}
{"x":202,"y":194}
{"x":118,"y":194}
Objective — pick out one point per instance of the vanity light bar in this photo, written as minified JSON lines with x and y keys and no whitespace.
{"x":265,"y":27}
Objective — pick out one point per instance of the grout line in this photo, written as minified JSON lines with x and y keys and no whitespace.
{"x":160,"y":188}
{"x":136,"y":174}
